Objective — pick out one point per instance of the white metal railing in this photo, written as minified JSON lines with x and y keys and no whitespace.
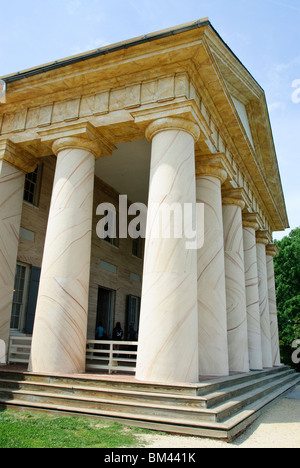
{"x":113,"y":356}
{"x":19,"y":349}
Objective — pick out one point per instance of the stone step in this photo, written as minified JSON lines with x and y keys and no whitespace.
{"x":131,"y":384}
{"x":235,"y":404}
{"x":231,"y":406}
{"x":107,"y":406}
{"x":240,"y":421}
{"x":230,"y":392}
{"x":170,"y":399}
{"x":136,"y":405}
{"x":226,"y":431}
{"x":103,"y":394}
{"x":218,"y":384}
{"x":104,"y":382}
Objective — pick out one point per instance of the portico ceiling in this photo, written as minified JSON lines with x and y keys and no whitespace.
{"x":127,"y":170}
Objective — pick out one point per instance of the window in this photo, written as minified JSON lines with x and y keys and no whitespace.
{"x":133,"y":314}
{"x":137,"y":247}
{"x":32,"y":186}
{"x":19,"y":297}
{"x":106,"y":310}
{"x":111,"y":228}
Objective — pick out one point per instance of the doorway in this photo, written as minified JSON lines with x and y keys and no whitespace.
{"x":106,"y":310}
{"x":133,"y":313}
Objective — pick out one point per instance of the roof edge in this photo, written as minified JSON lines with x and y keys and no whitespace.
{"x":106,"y":50}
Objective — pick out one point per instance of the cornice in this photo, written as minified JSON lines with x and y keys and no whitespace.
{"x":16,"y":156}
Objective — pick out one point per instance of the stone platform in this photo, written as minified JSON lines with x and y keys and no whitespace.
{"x":218,"y":408}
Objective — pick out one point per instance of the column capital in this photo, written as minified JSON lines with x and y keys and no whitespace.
{"x":213,"y":165}
{"x":250,"y":220}
{"x":272,"y":250}
{"x":76,"y":142}
{"x":172,"y":123}
{"x":17,"y":157}
{"x":183,"y":115}
{"x":263,"y":237}
{"x":233,"y":197}
{"x":82,"y":135}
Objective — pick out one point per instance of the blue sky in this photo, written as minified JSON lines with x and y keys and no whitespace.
{"x":264,"y":34}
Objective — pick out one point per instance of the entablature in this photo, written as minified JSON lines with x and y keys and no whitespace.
{"x":110,"y":89}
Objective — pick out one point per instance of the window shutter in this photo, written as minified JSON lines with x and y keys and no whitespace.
{"x":32,"y":298}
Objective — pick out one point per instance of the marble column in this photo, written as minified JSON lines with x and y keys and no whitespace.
{"x":11,"y":202}
{"x":250,"y":227}
{"x":237,"y":333}
{"x":272,"y":251}
{"x":168,"y":338}
{"x":212,"y":316}
{"x":261,"y":242}
{"x":59,"y":335}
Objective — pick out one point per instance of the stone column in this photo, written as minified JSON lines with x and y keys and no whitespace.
{"x":250,"y":226}
{"x":237,"y":333}
{"x":59,"y":335}
{"x":213,"y":347}
{"x":272,"y":251}
{"x":261,"y":242}
{"x":168,"y":337}
{"x":12,"y":178}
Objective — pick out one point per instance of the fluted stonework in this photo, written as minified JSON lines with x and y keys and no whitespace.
{"x":59,"y":336}
{"x":168,"y":333}
{"x":237,"y":333}
{"x":213,"y":348}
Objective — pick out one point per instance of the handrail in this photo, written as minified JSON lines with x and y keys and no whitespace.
{"x":109,"y":355}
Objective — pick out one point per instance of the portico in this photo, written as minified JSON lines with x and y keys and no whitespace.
{"x":172,"y":117}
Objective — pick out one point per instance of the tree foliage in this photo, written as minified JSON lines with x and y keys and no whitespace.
{"x":287,"y":278}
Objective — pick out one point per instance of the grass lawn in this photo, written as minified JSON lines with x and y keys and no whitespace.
{"x":35,"y":430}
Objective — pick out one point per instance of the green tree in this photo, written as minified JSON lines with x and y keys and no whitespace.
{"x":287,"y":278}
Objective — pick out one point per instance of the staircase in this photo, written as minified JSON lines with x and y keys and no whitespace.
{"x":219,"y":409}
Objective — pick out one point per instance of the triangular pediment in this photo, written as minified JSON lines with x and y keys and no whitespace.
{"x":241,"y":110}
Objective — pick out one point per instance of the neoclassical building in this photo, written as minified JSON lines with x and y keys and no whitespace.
{"x":170,"y":117}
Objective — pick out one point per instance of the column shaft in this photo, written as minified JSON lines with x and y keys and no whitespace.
{"x":59,"y":336}
{"x":264,"y":305}
{"x":11,"y":202}
{"x":273,"y":308}
{"x":237,"y":333}
{"x":252,"y":297}
{"x":168,"y":340}
{"x":213,"y":347}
